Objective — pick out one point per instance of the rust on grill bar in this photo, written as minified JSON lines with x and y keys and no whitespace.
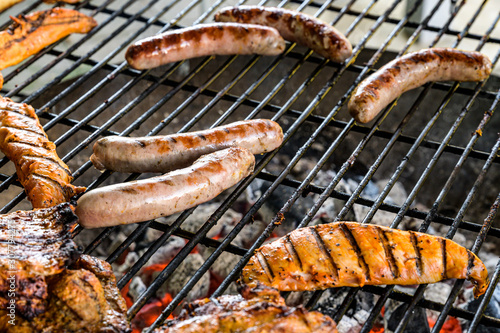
{"x":429,"y":162}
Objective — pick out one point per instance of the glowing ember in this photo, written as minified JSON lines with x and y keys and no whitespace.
{"x":149,"y":312}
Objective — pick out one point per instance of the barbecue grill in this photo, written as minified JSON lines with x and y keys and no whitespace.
{"x":440,"y":141}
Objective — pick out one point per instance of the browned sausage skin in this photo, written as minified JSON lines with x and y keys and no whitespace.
{"x":295,"y":27}
{"x":164,"y":195}
{"x":411,"y":71}
{"x":203,"y":40}
{"x":170,"y":152}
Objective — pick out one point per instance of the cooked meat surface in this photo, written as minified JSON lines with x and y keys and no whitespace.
{"x":260,"y":309}
{"x":84,"y":299}
{"x":353,"y":254}
{"x":45,"y":177}
{"x":34,"y":245}
{"x":31,"y":33}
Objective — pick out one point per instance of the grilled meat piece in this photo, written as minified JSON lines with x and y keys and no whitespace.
{"x":34,"y":245}
{"x":260,"y":309}
{"x":45,"y":177}
{"x":83,"y":300}
{"x":353,"y":254}
{"x":31,"y":33}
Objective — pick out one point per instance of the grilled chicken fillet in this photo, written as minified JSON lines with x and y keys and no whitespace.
{"x":83,"y":299}
{"x":261,"y":309}
{"x":34,"y":245}
{"x":31,"y":33}
{"x":45,"y":177}
{"x":353,"y":254}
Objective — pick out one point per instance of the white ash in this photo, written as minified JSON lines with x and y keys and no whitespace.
{"x":130,"y":260}
{"x":354,"y":318}
{"x":136,"y":288}
{"x":223,"y":265}
{"x":181,"y":276}
{"x":167,"y":252}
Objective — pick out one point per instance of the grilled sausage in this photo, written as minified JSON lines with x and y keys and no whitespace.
{"x":164,"y":195}
{"x":353,"y":254}
{"x":295,"y":27}
{"x":170,"y":152}
{"x":202,"y":40}
{"x":45,"y":177}
{"x":412,"y":71}
{"x":31,"y":33}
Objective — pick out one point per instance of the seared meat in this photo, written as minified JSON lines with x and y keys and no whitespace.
{"x":31,"y":33}
{"x":261,"y":309}
{"x":34,"y":245}
{"x":353,"y":254}
{"x":45,"y":177}
{"x":84,"y":299}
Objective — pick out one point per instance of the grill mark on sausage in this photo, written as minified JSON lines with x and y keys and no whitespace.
{"x":291,"y":249}
{"x":265,"y":265}
{"x":361,"y":260}
{"x":384,"y":240}
{"x":443,"y":250}
{"x":418,"y":261}
{"x":326,"y":251}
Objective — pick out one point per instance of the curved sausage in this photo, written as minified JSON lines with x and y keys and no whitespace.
{"x":164,"y":195}
{"x":203,"y":40}
{"x":293,"y":26}
{"x":412,"y":71}
{"x":170,"y":152}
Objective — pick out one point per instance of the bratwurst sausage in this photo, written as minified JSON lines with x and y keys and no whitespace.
{"x":170,"y":152}
{"x":293,"y":26}
{"x":412,"y":71}
{"x":202,"y":40}
{"x":164,"y":195}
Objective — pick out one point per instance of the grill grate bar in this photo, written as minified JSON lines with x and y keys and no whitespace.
{"x":477,"y":244}
{"x":486,"y":299}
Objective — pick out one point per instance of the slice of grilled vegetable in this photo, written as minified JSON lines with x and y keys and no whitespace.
{"x":354,"y":255}
{"x":45,"y":177}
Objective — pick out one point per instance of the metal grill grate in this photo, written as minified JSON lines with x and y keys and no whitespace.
{"x":83,"y":90}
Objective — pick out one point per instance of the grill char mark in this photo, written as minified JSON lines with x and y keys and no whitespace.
{"x":361,"y":260}
{"x":261,"y":258}
{"x":444,"y":255}
{"x":418,"y":261}
{"x":384,"y":240}
{"x":323,"y":247}
{"x":293,"y":251}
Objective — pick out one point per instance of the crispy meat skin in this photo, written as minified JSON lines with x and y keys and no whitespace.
{"x":84,"y":299}
{"x":261,"y":309}
{"x":45,"y":177}
{"x":353,"y":254}
{"x":42,"y":247}
{"x":31,"y":33}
